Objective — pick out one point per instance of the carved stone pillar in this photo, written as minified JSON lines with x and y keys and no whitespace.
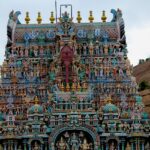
{"x":132,"y":145}
{"x":11,"y":145}
{"x":118,"y":146}
{"x":142,"y":145}
{"x":15,"y":146}
{"x":107,"y":146}
{"x":29,"y":146}
{"x":45,"y":145}
{"x":136,"y":144}
{"x":102,"y":146}
{"x":24,"y":144}
{"x":42,"y":146}
{"x":5,"y":146}
{"x":122,"y":145}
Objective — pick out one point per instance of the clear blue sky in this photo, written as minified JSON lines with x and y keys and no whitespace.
{"x":136,"y":14}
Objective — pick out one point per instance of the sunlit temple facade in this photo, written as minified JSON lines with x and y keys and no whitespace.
{"x":68,"y":85}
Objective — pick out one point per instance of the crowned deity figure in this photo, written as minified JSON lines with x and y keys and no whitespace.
{"x":74,"y":142}
{"x":61,"y":145}
{"x":85,"y":145}
{"x":26,"y":52}
{"x":128,"y":146}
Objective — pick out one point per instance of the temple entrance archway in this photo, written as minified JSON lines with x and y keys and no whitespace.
{"x":74,"y":140}
{"x":77,"y":138}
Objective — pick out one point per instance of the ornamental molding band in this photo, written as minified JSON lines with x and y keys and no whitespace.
{"x":68,"y":85}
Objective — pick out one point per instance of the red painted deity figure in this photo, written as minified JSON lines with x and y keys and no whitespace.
{"x":67,"y":55}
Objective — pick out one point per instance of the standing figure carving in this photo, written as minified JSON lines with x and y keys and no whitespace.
{"x":85,"y":145}
{"x":61,"y":145}
{"x":74,"y":142}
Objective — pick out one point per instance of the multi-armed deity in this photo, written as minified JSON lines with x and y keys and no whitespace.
{"x":68,"y":86}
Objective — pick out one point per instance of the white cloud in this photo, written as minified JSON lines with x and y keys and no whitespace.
{"x":138,"y":43}
{"x":135,"y":13}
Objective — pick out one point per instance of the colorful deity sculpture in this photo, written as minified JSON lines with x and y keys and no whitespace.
{"x":61,"y":144}
{"x":69,"y":86}
{"x":74,"y":142}
{"x":85,"y":145}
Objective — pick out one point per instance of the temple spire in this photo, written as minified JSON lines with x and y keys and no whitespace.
{"x":79,"y":18}
{"x":52,"y":19}
{"x":103,"y":18}
{"x":91,"y":18}
{"x":39,"y":18}
{"x":27,"y":18}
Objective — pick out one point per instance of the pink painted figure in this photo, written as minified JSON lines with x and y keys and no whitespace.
{"x":41,"y":51}
{"x":21,"y":52}
{"x":67,"y":58}
{"x":26,"y":52}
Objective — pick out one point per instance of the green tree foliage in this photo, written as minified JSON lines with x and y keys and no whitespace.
{"x":144,"y":85}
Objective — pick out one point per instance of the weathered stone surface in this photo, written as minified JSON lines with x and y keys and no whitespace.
{"x":142,"y":73}
{"x":146,"y":99}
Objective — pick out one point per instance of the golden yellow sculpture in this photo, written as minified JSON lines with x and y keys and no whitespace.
{"x":14,"y":79}
{"x":61,"y":144}
{"x":78,"y":87}
{"x":128,"y":147}
{"x":73,"y":87}
{"x":109,"y":100}
{"x":79,"y":18}
{"x":85,"y":145}
{"x":36,"y":100}
{"x":1,"y":148}
{"x":36,"y":146}
{"x":91,"y":18}
{"x":67,"y":87}
{"x":27,"y":18}
{"x":84,"y":86}
{"x":103,"y":18}
{"x":106,"y":49}
{"x":39,"y":18}
{"x":52,"y":19}
{"x":62,"y":87}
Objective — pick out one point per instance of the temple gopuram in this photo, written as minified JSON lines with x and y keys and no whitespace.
{"x":68,"y":85}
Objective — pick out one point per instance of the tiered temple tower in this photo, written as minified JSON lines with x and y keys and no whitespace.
{"x":68,"y":86}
